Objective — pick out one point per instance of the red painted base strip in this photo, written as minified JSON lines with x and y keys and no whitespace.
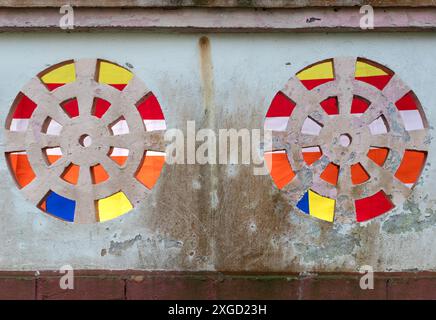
{"x":134,"y":285}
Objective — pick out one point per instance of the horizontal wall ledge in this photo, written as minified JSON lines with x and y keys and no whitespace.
{"x":216,"y":3}
{"x":218,"y":20}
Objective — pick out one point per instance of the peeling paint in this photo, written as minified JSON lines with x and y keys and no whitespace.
{"x":117,"y":247}
{"x":411,"y":219}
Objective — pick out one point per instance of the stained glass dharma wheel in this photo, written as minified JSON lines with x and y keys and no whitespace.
{"x":84,"y":140}
{"x":348,"y":137}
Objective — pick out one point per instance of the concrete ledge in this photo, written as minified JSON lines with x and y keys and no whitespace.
{"x":216,"y":3}
{"x":135,"y":285}
{"x":217,"y":20}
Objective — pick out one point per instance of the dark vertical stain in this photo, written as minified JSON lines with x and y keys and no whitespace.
{"x":206,"y":74}
{"x":209,"y":173}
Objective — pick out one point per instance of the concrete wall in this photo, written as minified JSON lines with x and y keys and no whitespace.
{"x":219,"y":217}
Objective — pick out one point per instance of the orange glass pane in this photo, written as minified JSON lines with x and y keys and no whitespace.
{"x":378,"y":155}
{"x":330,"y":174}
{"x":20,"y":166}
{"x":358,"y":174}
{"x":71,"y":174}
{"x":149,"y":170}
{"x":411,"y":166}
{"x":53,"y":158}
{"x":120,"y":160}
{"x":52,"y":154}
{"x":279,"y":168}
{"x":311,"y":154}
{"x":98,"y":174}
{"x":311,"y":157}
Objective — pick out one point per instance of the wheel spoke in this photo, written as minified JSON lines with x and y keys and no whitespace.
{"x":38,"y":188}
{"x":154,"y":140}
{"x":344,"y":181}
{"x":374,"y":111}
{"x":48,"y":141}
{"x":319,"y":184}
{"x":418,"y":139}
{"x":85,"y":211}
{"x":385,"y":140}
{"x":315,"y":182}
{"x":135,"y":90}
{"x":36,"y":91}
{"x":113,"y":113}
{"x":319,"y":116}
{"x":18,"y":141}
{"x":395,"y":188}
{"x":306,"y":101}
{"x":86,"y":69}
{"x":395,"y":89}
{"x":86,"y":78}
{"x":125,"y":141}
{"x":295,"y":189}
{"x":307,"y":140}
{"x":344,"y":77}
{"x":110,"y":166}
{"x":345,"y":100}
{"x":85,"y":204}
{"x":85,"y":100}
{"x":345,"y":71}
{"x":132,"y":93}
{"x":279,"y":141}
{"x":57,"y":168}
{"x":56,"y":113}
{"x":47,"y":103}
{"x":14,"y":140}
{"x":134,"y":190}
{"x":84,"y":178}
{"x":392,"y":142}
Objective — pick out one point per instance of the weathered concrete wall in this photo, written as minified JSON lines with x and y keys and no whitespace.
{"x":219,"y":217}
